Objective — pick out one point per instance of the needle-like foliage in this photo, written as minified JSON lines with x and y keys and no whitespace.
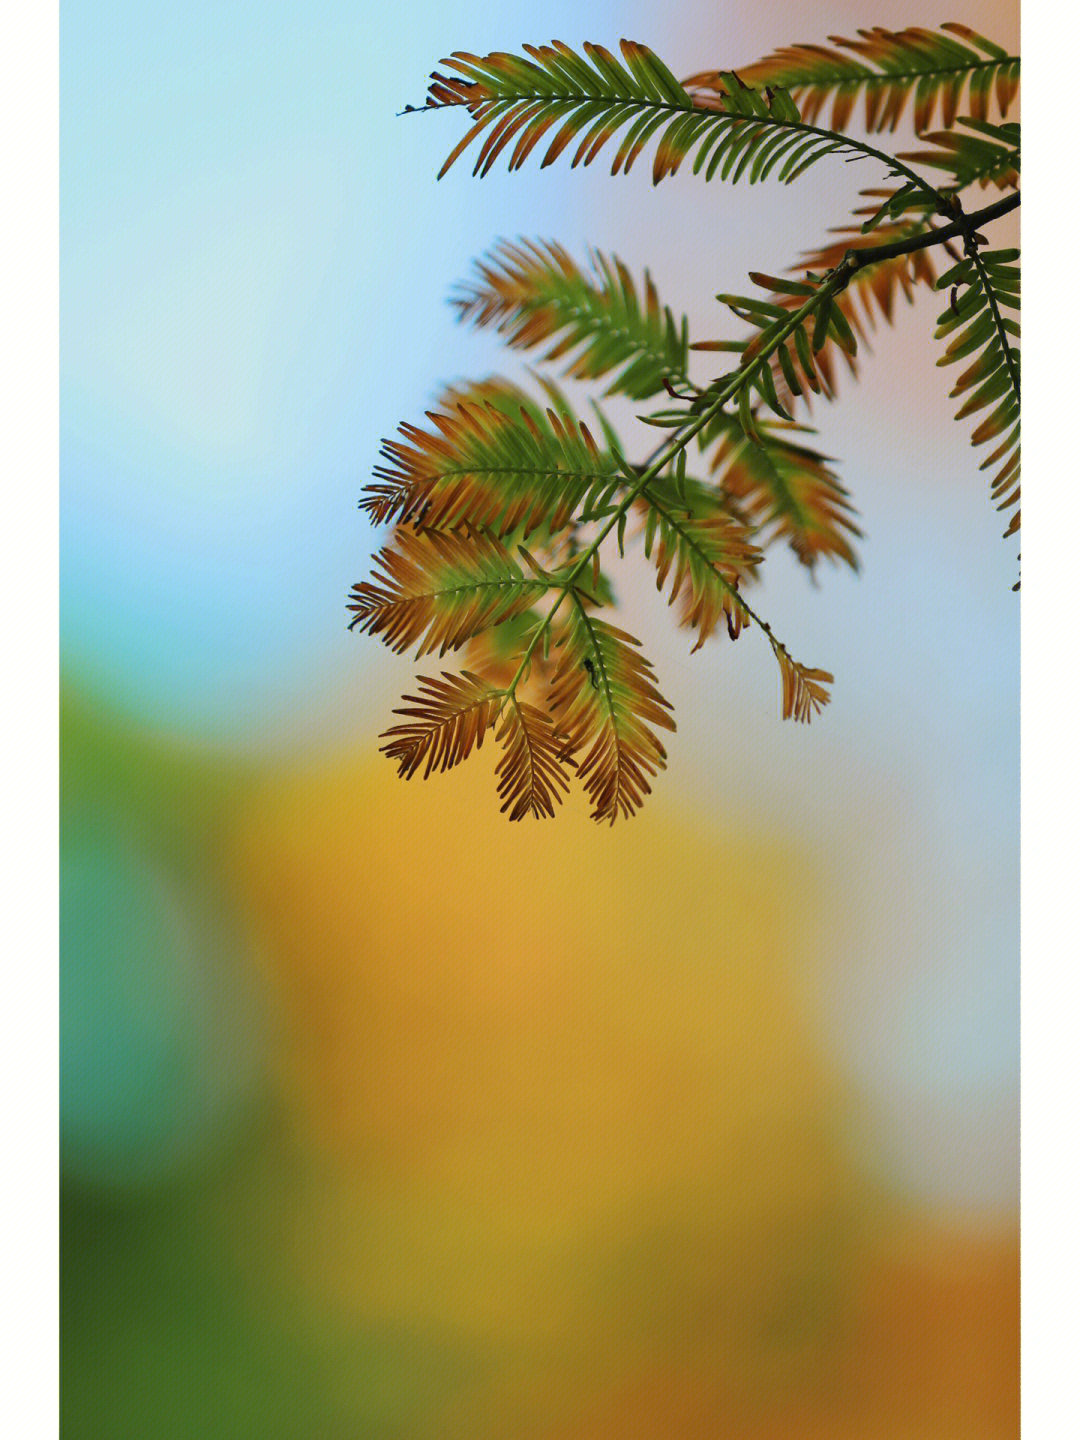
{"x":887,"y":67}
{"x":533,"y":293}
{"x":706,"y":553}
{"x":442,"y":724}
{"x":532,"y":770}
{"x":788,"y":492}
{"x":981,"y":154}
{"x":437,"y":590}
{"x":593,"y":98}
{"x":489,"y":463}
{"x":805,"y":690}
{"x":982,"y":321}
{"x":500,"y":504}
{"x":604,"y":699}
{"x":805,"y":363}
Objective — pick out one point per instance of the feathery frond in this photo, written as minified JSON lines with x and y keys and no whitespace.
{"x":704,"y":549}
{"x":533,"y":293}
{"x":875,"y":287}
{"x":887,"y":67}
{"x":439,"y":589}
{"x":989,"y":156}
{"x":983,"y":286}
{"x":781,"y":487}
{"x":825,"y":322}
{"x":788,"y":491}
{"x":532,"y":769}
{"x":604,"y":699}
{"x":508,"y":397}
{"x":736,"y":131}
{"x":894,"y":203}
{"x":804,"y":692}
{"x":806,"y":363}
{"x":484,"y":465}
{"x":443,"y":723}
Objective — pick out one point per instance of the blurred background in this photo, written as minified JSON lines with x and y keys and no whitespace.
{"x":382,"y":1117}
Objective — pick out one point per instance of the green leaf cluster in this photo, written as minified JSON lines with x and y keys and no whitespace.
{"x":501,"y":503}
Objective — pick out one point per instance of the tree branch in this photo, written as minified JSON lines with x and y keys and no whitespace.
{"x":857,"y":259}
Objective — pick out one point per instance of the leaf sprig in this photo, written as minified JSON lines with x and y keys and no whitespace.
{"x":735,"y":131}
{"x":437,"y":590}
{"x":788,"y":492}
{"x":982,"y":321}
{"x":533,"y":293}
{"x":443,"y":723}
{"x":981,"y":154}
{"x":483,"y":465}
{"x":608,"y":717}
{"x":887,"y":67}
{"x":533,"y":767}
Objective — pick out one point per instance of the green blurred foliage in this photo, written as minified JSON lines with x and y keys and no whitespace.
{"x":162,"y":1038}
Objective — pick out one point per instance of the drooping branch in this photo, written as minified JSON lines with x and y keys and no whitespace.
{"x":498,"y":470}
{"x":520,"y":98}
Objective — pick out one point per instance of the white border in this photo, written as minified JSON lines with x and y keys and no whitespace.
{"x":29,"y":104}
{"x":1050,"y":754}
{"x":29,"y":415}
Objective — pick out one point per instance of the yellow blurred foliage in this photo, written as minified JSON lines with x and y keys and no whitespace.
{"x":556,"y":1098}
